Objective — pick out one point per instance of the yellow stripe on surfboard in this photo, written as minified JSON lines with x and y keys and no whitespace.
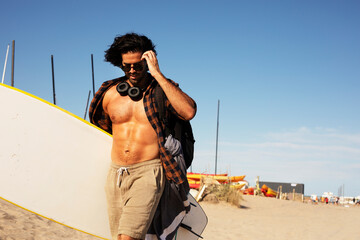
{"x":53,"y":105}
{"x":51,"y":218}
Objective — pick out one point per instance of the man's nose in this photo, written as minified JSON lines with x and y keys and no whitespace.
{"x":132,"y":69}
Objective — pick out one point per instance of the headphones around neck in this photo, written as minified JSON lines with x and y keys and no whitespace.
{"x":135,"y":93}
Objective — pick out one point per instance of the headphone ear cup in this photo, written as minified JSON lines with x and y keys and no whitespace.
{"x":135,"y":93}
{"x":123,"y":88}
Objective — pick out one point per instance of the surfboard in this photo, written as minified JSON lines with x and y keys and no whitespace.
{"x":53,"y":163}
{"x":193,"y":223}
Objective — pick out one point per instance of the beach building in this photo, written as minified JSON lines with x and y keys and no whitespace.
{"x":285,"y":187}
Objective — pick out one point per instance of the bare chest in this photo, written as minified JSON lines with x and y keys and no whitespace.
{"x":122,"y":109}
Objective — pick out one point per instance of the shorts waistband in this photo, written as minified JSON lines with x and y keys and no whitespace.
{"x":134,"y":166}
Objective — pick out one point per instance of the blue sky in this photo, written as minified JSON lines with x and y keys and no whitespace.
{"x":286,"y":74}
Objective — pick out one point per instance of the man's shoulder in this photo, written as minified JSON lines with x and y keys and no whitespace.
{"x":108,"y":83}
{"x":96,"y":109}
{"x":105,"y":86}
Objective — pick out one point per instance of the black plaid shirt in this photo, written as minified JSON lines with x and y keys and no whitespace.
{"x":99,"y":118}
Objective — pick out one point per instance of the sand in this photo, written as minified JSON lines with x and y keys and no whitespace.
{"x":257,"y":218}
{"x":269,"y":218}
{"x":19,"y":224}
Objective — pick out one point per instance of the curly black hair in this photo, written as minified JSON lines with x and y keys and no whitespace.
{"x":130,"y":42}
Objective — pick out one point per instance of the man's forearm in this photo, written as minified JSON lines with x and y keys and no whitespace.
{"x":184,"y":105}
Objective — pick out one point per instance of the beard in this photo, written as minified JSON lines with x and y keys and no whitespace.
{"x":137,"y":79}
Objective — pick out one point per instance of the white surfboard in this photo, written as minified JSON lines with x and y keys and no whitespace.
{"x":53,"y":163}
{"x":193,"y":223}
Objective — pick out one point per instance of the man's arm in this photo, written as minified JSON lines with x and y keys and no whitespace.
{"x":184,"y":105}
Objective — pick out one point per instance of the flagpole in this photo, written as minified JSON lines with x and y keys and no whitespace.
{"x":7,"y":53}
{"x":53,"y":78}
{"x":87,"y":104}
{"x":93,"y":79}
{"x":217,"y":136}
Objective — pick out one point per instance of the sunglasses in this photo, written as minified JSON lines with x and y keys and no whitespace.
{"x":139,"y":66}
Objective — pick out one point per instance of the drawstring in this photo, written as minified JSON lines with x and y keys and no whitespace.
{"x":120,"y":172}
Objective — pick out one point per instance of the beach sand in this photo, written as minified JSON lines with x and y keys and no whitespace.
{"x":274,"y":219}
{"x":257,"y":218}
{"x":19,"y":224}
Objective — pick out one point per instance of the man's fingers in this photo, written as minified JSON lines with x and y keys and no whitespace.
{"x":149,"y":54}
{"x":150,"y":57}
{"x":152,"y":62}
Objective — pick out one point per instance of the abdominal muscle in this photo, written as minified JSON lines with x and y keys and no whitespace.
{"x":133,"y":143}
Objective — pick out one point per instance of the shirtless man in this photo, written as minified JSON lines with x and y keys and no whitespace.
{"x":140,"y":164}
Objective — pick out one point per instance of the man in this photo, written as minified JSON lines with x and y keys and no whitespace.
{"x":126,"y":107}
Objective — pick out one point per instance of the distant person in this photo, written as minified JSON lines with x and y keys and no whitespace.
{"x":126,"y":108}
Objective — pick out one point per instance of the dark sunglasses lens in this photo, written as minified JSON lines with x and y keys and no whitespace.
{"x":126,"y":67}
{"x":136,"y":66}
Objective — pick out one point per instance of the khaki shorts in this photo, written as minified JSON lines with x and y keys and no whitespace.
{"x":133,"y":193}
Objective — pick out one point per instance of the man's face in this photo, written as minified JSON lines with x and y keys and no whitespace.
{"x":135,"y":69}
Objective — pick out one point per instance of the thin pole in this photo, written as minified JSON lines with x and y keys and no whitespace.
{"x":87,"y":104}
{"x":92,"y":68}
{"x":13,"y":63}
{"x":217,"y":136}
{"x":53,"y":78}
{"x":7,"y":53}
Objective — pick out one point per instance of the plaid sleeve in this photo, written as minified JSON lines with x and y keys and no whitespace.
{"x":172,"y":170}
{"x":97,"y":115}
